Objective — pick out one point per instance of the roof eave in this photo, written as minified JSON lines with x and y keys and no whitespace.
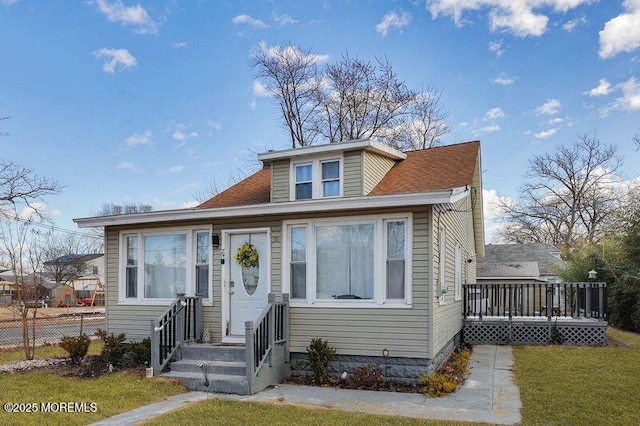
{"x":336,"y":204}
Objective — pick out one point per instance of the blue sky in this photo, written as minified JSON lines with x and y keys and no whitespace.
{"x":146,"y":101}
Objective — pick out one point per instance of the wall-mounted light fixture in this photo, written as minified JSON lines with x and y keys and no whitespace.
{"x":215,"y":240}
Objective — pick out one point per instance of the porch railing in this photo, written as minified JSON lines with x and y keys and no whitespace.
{"x":545,"y":300}
{"x":270,"y":329}
{"x":181,"y":322}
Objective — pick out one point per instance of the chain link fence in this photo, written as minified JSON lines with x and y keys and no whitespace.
{"x":49,"y":327}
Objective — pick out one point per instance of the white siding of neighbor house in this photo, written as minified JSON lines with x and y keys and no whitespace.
{"x":280,"y":175}
{"x":457,"y":220}
{"x":375,"y":168}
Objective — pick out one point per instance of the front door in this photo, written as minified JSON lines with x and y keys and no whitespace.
{"x":248,"y":283}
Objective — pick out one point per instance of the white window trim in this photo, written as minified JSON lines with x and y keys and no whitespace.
{"x":457,"y":289}
{"x":190,"y":233}
{"x":408,"y":254}
{"x":316,"y":177}
{"x":379,"y":286}
{"x":442,"y":264}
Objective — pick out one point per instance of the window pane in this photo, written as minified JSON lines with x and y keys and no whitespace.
{"x":331,"y":188}
{"x":132,"y":250}
{"x":331,"y":170}
{"x":344,"y":256}
{"x":303,"y":191}
{"x":165,"y":265}
{"x":395,"y":279}
{"x":298,"y":244}
{"x":298,"y":280}
{"x":132,"y":282}
{"x":202,"y":280}
{"x":395,"y":240}
{"x":202,"y":248}
{"x":303,"y":173}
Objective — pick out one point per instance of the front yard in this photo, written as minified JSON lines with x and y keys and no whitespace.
{"x":559,"y":385}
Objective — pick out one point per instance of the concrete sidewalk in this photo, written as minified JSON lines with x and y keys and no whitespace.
{"x":489,"y":395}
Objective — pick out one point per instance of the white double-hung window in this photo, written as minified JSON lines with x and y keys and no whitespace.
{"x":358,"y":262}
{"x":158,"y":265}
{"x":318,"y":178}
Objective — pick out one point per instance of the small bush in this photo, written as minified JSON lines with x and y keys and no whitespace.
{"x":137,"y":353}
{"x":76,"y":347}
{"x":449,"y":376}
{"x":320,"y":355}
{"x":367,"y":376}
{"x":114,"y":347}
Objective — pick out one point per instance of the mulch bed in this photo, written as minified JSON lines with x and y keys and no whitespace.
{"x":336,"y":382}
{"x":89,"y":367}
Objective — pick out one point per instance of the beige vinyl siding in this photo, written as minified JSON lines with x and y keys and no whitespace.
{"x":457,"y":220}
{"x":367,"y":331}
{"x":375,"y":168}
{"x":280,"y":186}
{"x":352,"y":174}
{"x":478,"y":215}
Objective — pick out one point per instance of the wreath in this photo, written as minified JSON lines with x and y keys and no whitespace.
{"x":247,"y":255}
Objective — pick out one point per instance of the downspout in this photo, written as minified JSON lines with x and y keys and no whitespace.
{"x":430,"y":283}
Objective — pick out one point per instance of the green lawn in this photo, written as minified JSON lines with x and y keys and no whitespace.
{"x":576,"y":386}
{"x":51,"y":351}
{"x":113,"y":393}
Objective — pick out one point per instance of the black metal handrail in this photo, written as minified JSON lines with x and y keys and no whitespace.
{"x":545,"y":300}
{"x":270,"y":329}
{"x":182,"y":321}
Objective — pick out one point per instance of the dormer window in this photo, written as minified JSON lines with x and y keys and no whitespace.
{"x":321,"y":178}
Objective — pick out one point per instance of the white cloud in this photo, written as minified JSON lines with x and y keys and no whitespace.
{"x":622,"y":33}
{"x":630,"y":99}
{"x":290,"y":51}
{"x":260,"y":89}
{"x":180,"y":44}
{"x":189,"y":204}
{"x":127,"y":165}
{"x":556,"y":120}
{"x":492,"y":212}
{"x":8,"y":2}
{"x":603,"y":88}
{"x":546,"y":133}
{"x":182,"y":136}
{"x":136,"y":16}
{"x":249,"y":21}
{"x":252,"y":104}
{"x":284,"y":19}
{"x":115,"y":59}
{"x":504,"y":80}
{"x":496,"y":47}
{"x":393,"y":20}
{"x":488,"y":129}
{"x":493,"y":114}
{"x":144,"y":138}
{"x":551,"y":107}
{"x":572,"y":24}
{"x":519,"y":17}
{"x":215,"y":125}
{"x":177,"y":169}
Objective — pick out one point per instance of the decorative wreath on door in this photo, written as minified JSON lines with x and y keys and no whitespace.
{"x":247,"y":255}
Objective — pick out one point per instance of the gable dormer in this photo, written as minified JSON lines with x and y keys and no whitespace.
{"x":345,"y":169}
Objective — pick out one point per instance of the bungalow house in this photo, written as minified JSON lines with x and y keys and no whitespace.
{"x":356,"y":242}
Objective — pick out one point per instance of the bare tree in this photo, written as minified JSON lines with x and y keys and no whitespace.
{"x":362,"y":100}
{"x":210,"y":188}
{"x":569,"y":195}
{"x":110,"y":209}
{"x":347,"y":100}
{"x":20,"y":187}
{"x":3,"y":133}
{"x":63,"y":257}
{"x":636,"y":140}
{"x":290,"y":75}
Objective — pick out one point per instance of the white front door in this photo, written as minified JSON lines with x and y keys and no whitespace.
{"x":248,"y":286}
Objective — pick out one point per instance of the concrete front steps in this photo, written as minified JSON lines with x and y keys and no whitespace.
{"x":211,"y":368}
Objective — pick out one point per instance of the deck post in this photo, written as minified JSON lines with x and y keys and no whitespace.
{"x":587,"y":301}
{"x":601,"y":301}
{"x":285,"y":326}
{"x":199,"y":326}
{"x":271,"y":336}
{"x":155,"y":348}
{"x":250,"y":353}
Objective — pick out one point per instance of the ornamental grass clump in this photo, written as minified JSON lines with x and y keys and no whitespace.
{"x":447,"y":379}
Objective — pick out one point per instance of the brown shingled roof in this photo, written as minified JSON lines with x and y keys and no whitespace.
{"x":256,"y":189}
{"x":431,"y":169}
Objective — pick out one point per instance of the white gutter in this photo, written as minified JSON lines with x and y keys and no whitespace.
{"x":310,"y":206}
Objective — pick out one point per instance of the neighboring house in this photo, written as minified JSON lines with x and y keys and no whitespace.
{"x":74,"y":277}
{"x":372,"y":245}
{"x":528,"y":265}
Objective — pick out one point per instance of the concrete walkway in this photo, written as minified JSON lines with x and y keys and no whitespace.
{"x":489,"y":395}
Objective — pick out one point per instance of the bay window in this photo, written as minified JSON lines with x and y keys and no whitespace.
{"x":158,"y":265}
{"x":355,"y":262}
